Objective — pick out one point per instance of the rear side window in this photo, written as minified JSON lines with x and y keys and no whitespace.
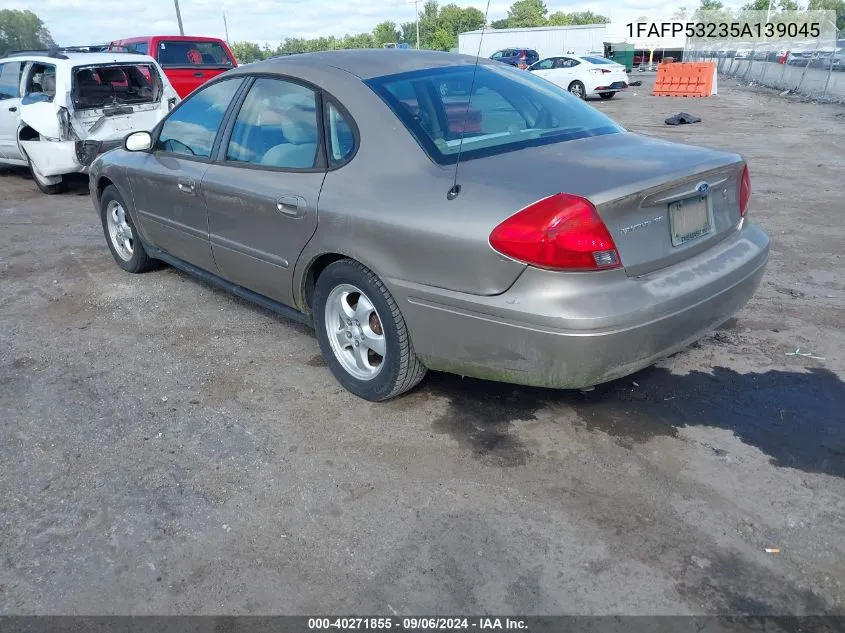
{"x":276,"y":127}
{"x":186,"y":53}
{"x":40,"y":83}
{"x":508,"y":109}
{"x":10,"y":80}
{"x":141,"y":48}
{"x":341,"y":137}
{"x":192,"y":127}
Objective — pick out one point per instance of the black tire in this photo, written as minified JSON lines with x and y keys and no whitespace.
{"x":607,"y":95}
{"x":49,"y":189}
{"x":138,"y":261}
{"x":577,"y":89}
{"x":400,"y":369}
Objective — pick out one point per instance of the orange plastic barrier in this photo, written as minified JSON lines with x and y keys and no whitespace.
{"x":685,"y":79}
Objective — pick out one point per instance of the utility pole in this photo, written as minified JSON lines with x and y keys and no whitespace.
{"x":417,"y":20}
{"x":226,"y":27}
{"x":179,"y":17}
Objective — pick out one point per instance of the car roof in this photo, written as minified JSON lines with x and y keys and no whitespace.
{"x":72,"y":59}
{"x":175,"y":38}
{"x":364,"y":63}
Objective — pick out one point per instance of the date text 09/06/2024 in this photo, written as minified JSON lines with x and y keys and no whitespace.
{"x":417,"y":624}
{"x":724,"y":30}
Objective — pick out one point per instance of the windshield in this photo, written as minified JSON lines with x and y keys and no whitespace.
{"x":125,"y":84}
{"x":185,"y":53}
{"x":508,"y":109}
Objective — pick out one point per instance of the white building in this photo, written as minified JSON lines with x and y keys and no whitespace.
{"x":557,"y":40}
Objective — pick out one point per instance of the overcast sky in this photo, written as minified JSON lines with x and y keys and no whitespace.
{"x":94,"y":21}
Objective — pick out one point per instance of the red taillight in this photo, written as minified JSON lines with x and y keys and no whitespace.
{"x":744,"y":191}
{"x":561,"y":232}
{"x":522,"y":55}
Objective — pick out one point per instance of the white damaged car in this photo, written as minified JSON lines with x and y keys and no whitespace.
{"x":60,"y":109}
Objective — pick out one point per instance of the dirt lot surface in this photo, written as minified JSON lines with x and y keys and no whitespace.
{"x":167,"y":448}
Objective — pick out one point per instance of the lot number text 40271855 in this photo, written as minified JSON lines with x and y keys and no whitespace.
{"x":724,"y":30}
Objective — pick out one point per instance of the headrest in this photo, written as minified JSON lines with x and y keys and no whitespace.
{"x":112,"y":75}
{"x":48,"y":84}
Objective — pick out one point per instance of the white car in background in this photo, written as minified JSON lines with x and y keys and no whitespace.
{"x":60,"y":109}
{"x":583,"y":76}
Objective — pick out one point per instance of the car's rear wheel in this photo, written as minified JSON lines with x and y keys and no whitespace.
{"x":607,"y":95}
{"x":576,"y":88}
{"x":121,"y":234}
{"x":362,"y":334}
{"x":46,"y":184}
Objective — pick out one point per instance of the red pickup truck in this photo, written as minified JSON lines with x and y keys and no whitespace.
{"x":187,"y":61}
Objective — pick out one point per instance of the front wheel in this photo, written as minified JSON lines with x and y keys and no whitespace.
{"x":576,"y":89}
{"x":362,"y":334}
{"x":121,"y":233}
{"x":607,"y":95}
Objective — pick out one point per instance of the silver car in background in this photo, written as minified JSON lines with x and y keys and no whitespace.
{"x":515,"y":234}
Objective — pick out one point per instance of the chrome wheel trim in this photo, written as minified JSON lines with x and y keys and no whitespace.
{"x":355,"y":332}
{"x":120,"y":232}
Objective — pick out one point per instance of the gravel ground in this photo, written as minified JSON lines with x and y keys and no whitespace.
{"x":167,"y":448}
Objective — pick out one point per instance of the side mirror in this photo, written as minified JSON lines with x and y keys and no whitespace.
{"x":138,"y":142}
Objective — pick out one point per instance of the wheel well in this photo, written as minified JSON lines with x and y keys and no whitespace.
{"x":102,"y":183}
{"x":28,"y":134}
{"x":314,"y":271}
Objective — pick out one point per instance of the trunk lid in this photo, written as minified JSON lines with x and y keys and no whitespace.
{"x":633,"y":181}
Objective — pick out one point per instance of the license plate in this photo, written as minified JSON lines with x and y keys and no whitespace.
{"x":689,"y":219}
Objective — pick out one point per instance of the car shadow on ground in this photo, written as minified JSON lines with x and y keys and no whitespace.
{"x":75,"y":184}
{"x":795,"y":417}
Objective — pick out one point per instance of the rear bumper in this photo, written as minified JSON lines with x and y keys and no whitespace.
{"x":612,"y":87}
{"x":583,"y":329}
{"x":87,"y":151}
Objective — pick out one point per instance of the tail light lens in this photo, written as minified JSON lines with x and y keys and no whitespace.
{"x":744,"y":191}
{"x":561,"y":232}
{"x":522,"y":55}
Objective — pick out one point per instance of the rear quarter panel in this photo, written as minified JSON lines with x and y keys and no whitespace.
{"x":387,"y":208}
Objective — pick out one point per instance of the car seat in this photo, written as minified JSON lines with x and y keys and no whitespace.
{"x":298,"y":150}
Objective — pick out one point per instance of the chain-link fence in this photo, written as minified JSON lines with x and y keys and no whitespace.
{"x":815,"y":69}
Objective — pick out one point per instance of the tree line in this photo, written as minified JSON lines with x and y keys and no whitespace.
{"x":439,"y":26}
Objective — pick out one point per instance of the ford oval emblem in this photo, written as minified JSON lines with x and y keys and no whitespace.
{"x":703,"y":188}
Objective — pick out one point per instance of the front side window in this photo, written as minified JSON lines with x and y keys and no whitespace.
{"x":497,"y":55}
{"x":546,"y":64}
{"x":10,"y":80}
{"x":508,"y":109}
{"x":277,"y":126}
{"x":341,"y":137}
{"x":192,"y":127}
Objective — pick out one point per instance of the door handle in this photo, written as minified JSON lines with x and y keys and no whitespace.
{"x":186,"y":186}
{"x":199,"y":74}
{"x":293,"y":206}
{"x":13,"y":109}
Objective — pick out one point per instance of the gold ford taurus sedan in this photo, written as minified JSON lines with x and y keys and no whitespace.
{"x":435,"y":211}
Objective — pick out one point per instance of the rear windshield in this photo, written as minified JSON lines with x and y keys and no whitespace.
{"x":598,"y":60}
{"x":125,"y":84}
{"x":186,"y":53}
{"x":508,"y":109}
